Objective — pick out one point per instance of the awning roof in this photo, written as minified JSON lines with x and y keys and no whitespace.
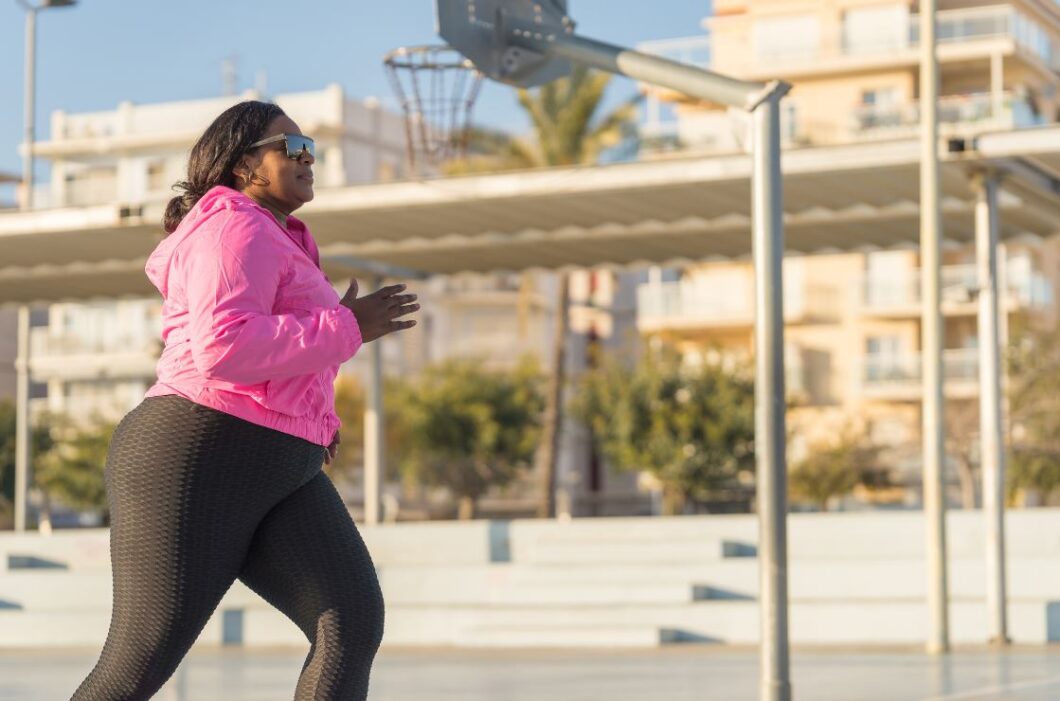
{"x":850,"y":197}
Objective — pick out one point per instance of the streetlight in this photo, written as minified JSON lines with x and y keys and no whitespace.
{"x":30,"y":87}
{"x":22,"y":363}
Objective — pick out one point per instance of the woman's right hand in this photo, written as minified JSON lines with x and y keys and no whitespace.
{"x":378,"y":313}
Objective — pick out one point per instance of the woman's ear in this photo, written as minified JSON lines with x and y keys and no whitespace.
{"x":242,"y":171}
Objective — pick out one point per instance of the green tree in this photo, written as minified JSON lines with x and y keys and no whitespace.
{"x":350,"y":399}
{"x":568,"y":128}
{"x":835,"y":468}
{"x":468,"y":428}
{"x":693,"y":428}
{"x":40,"y":443}
{"x":1034,"y":398}
{"x":72,"y":471}
{"x":349,"y":406}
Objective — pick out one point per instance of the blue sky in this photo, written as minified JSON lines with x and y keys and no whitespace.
{"x":101,"y":52}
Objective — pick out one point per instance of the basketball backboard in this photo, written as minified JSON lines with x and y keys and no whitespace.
{"x":481,"y":30}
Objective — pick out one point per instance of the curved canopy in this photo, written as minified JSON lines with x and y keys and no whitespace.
{"x":852,"y":197}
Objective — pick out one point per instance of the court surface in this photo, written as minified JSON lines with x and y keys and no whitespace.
{"x":684,"y":673}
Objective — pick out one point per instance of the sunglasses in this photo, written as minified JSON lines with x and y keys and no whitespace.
{"x":297,"y":145}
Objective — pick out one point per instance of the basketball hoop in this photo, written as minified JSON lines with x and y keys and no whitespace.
{"x":437,"y":88}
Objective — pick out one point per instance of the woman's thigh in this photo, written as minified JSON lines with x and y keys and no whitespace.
{"x":187,"y":486}
{"x":308,"y":560}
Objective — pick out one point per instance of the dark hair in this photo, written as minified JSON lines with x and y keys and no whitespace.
{"x":216,"y":153}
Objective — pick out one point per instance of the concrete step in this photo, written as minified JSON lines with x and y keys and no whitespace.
{"x":878,"y":623}
{"x":565,"y":636}
{"x":895,"y":622}
{"x":555,"y":551}
{"x":84,"y":627}
{"x":431,"y":589}
{"x":81,"y":590}
{"x":522,"y":584}
{"x":72,"y":550}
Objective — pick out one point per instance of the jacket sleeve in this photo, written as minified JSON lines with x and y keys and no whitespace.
{"x":233,"y":276}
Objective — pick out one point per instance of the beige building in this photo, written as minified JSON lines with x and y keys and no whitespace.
{"x":853,"y":319}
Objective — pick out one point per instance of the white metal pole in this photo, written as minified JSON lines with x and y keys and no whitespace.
{"x":932,"y":337}
{"x":768,"y":244}
{"x":990,"y":434}
{"x":29,"y":106}
{"x":22,"y":433}
{"x":374,"y":457}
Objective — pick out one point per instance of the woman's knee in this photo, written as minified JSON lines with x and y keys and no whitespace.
{"x":354,"y":622}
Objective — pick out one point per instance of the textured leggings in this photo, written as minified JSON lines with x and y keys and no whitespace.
{"x":198,"y":498}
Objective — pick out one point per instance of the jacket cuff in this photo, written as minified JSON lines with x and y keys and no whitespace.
{"x":349,"y":329}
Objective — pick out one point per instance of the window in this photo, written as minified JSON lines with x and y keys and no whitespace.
{"x":786,"y":38}
{"x":880,"y":97}
{"x":156,"y":176}
{"x":872,"y":30}
{"x":886,"y":362}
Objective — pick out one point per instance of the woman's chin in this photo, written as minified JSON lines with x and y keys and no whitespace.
{"x":303,"y":191}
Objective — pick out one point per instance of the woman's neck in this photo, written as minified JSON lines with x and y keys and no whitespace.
{"x":280,"y":215}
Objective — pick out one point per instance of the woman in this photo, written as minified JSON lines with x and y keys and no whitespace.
{"x":217,"y":474}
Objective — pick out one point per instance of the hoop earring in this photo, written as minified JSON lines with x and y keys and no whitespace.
{"x":261,"y":180}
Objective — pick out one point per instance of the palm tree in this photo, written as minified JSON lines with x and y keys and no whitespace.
{"x":566,"y":131}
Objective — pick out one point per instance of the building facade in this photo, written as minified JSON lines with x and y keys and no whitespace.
{"x":852,"y":320}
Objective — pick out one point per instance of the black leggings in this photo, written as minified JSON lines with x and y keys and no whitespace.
{"x":198,"y":498}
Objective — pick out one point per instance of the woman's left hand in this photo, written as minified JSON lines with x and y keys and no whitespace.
{"x":332,"y":450}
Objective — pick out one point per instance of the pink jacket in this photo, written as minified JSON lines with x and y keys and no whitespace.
{"x":251,"y":325}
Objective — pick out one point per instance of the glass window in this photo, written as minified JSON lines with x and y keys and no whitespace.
{"x":787,"y":37}
{"x":869,"y":30}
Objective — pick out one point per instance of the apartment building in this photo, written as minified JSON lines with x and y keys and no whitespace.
{"x":853,"y":319}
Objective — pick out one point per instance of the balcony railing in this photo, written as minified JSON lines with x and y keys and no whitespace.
{"x":885,"y":369}
{"x":954,"y":26}
{"x":959,"y":285}
{"x":681,"y":304}
{"x":975,"y":109}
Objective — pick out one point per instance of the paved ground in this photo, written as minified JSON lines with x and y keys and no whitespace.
{"x":684,"y":673}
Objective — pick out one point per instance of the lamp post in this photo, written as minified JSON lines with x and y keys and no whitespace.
{"x":30,"y":87}
{"x":22,"y":363}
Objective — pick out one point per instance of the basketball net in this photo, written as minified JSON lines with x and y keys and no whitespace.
{"x":437,"y":88}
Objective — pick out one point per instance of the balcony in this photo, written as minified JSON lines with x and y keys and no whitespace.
{"x":958,"y":115}
{"x":70,"y":357}
{"x":958,"y":31}
{"x":955,"y":27}
{"x":675,"y":306}
{"x":898,"y":296}
{"x":897,"y":377}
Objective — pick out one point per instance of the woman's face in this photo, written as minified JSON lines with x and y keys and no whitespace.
{"x":278,"y":181}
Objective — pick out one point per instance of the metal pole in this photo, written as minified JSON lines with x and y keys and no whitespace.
{"x":691,"y":80}
{"x":29,"y":106}
{"x":931,"y":344}
{"x":768,"y":244}
{"x":990,"y":435}
{"x":767,"y":205}
{"x":374,"y":458}
{"x":22,"y":433}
